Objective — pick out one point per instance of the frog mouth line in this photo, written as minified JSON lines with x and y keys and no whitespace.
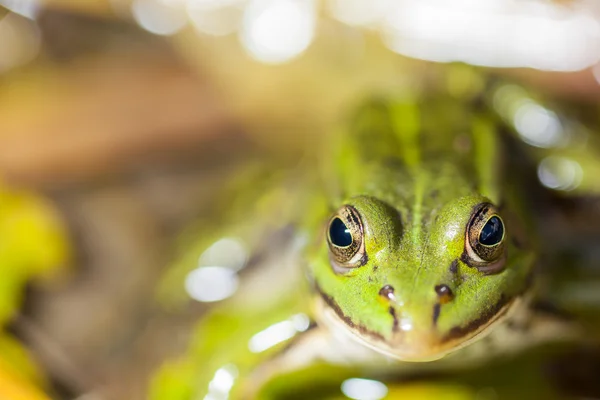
{"x":347,"y":320}
{"x":457,"y":338}
{"x":497,"y":311}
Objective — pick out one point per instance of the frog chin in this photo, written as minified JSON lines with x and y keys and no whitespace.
{"x":412,"y":345}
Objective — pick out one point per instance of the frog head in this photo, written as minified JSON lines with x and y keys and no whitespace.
{"x":416,"y":282}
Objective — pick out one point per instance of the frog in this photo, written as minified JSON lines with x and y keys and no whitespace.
{"x":414,"y":249}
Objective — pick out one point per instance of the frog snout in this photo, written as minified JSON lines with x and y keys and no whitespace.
{"x":407,"y":310}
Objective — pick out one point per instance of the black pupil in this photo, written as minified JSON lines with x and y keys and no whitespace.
{"x":339,"y":234}
{"x":492,"y":232}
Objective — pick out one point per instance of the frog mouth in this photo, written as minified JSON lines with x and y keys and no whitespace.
{"x":412,"y":345}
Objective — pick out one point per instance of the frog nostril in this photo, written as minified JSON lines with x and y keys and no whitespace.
{"x":388,"y":292}
{"x":444,"y":293}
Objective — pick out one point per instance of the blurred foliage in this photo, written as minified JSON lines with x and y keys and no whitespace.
{"x":34,"y":245}
{"x":20,"y":379}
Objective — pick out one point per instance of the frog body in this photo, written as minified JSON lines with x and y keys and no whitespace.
{"x":405,"y":295}
{"x":412,"y":244}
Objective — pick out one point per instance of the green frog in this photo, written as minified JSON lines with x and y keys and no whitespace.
{"x":407,"y":245}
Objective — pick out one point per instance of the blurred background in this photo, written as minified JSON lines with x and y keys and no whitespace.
{"x":119,"y":120}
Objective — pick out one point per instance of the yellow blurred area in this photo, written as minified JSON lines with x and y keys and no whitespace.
{"x":435,"y":391}
{"x":34,"y":245}
{"x":14,"y":388}
{"x":20,"y":378}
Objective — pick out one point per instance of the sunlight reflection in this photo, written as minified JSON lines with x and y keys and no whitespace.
{"x":275,"y":31}
{"x":499,"y":33}
{"x":217,"y":18}
{"x":560,"y":173}
{"x":538,"y":126}
{"x":359,"y":12}
{"x":26,"y":8}
{"x":495,"y":33}
{"x":173,"y":3}
{"x":158,"y":17}
{"x":20,"y":41}
{"x":222,"y":383}
{"x":406,"y":324}
{"x":209,"y":284}
{"x":216,"y":277}
{"x":227,"y":252}
{"x":535,"y":124}
{"x":278,"y":333}
{"x":364,"y":389}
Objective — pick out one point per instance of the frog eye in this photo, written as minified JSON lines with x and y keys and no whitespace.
{"x":484,"y":244}
{"x":345,"y":238}
{"x":339,"y":234}
{"x":492,"y":232}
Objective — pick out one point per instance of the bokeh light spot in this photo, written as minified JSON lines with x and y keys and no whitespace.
{"x":278,"y":333}
{"x":560,"y":173}
{"x":158,"y":17}
{"x":538,"y":126}
{"x":275,"y":31}
{"x":209,"y":284}
{"x":364,"y":389}
{"x":19,"y":41}
{"x":226,"y":252}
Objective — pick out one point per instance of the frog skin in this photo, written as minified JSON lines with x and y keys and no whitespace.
{"x":416,"y":280}
{"x":419,"y":245}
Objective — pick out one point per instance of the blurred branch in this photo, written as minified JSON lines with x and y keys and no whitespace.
{"x":91,"y":7}
{"x":62,"y":368}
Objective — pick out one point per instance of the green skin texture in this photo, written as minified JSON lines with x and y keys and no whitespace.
{"x":415,"y":181}
{"x":415,"y":205}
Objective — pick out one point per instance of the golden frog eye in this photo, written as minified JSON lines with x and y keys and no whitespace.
{"x":345,"y":239}
{"x":485,"y":247}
